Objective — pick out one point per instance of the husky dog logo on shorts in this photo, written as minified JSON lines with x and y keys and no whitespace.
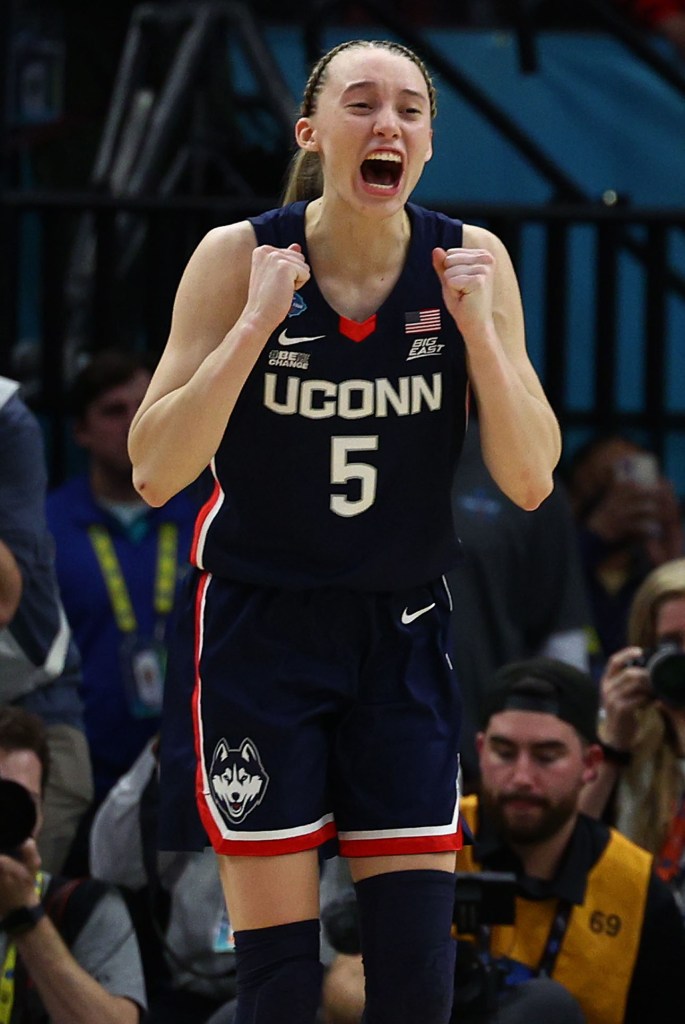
{"x":237,"y":779}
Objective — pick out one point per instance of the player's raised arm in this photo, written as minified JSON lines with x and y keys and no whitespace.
{"x":231,"y":297}
{"x":520,"y":435}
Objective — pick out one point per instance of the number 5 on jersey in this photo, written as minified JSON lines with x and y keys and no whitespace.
{"x":344,"y":470}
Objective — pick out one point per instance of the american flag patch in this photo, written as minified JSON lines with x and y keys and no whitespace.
{"x":422,"y":320}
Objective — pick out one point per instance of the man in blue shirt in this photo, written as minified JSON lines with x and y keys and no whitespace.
{"x":118,"y":564}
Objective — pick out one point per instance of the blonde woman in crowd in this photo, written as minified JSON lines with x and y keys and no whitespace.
{"x":641,"y":784}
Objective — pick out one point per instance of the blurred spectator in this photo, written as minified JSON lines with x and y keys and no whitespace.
{"x":629,"y":520}
{"x":519,"y":590}
{"x":68,"y":949}
{"x":666,"y":17}
{"x":118,"y":563}
{"x":177,"y":898}
{"x":39,"y":663}
{"x":641,"y":786}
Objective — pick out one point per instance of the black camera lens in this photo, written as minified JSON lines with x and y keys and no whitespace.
{"x":667,"y":674}
{"x":17,"y":815}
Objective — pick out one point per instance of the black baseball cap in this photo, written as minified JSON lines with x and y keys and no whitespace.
{"x":546,"y":685}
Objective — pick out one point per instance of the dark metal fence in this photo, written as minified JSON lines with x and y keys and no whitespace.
{"x":603,"y":290}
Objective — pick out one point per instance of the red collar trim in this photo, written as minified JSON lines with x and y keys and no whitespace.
{"x":355,"y":331}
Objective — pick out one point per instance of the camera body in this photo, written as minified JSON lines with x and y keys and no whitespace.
{"x":481,"y":899}
{"x":17,"y":816}
{"x":665,"y":665}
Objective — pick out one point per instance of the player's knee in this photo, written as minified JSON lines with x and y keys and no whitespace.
{"x":425,"y":992}
{"x":409,"y":953}
{"x":278,"y":974}
{"x":292,"y":995}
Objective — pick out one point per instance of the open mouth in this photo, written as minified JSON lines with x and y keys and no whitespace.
{"x":382,"y":170}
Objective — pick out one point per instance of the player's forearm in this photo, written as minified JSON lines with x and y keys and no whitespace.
{"x":70,"y":995}
{"x":174,"y":440}
{"x":11,"y":585}
{"x":520,"y":435}
{"x":520,"y":458}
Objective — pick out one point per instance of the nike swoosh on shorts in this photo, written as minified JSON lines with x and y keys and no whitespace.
{"x":283,"y":339}
{"x":408,"y":616}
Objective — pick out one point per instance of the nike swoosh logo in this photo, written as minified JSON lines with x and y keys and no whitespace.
{"x":408,"y":616}
{"x":283,"y":339}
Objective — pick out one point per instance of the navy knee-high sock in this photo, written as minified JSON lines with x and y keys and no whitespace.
{"x":405,"y":920}
{"x":278,"y":974}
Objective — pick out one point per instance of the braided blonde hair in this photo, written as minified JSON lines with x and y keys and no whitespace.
{"x":305,"y":180}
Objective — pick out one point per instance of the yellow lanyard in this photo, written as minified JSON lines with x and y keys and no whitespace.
{"x":9,"y":968}
{"x":165,"y":575}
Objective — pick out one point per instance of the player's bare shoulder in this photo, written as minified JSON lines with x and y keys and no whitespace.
{"x":477,"y":237}
{"x":225,"y":251}
{"x":234,"y":239}
{"x":215,"y":280}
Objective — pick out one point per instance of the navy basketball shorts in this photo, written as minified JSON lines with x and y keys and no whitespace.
{"x":325,"y":713}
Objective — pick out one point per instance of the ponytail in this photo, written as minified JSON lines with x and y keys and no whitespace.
{"x":305,"y":178}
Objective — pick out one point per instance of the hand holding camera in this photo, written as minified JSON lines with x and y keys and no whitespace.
{"x":17,"y":879}
{"x":625,"y":689}
{"x":634,"y":676}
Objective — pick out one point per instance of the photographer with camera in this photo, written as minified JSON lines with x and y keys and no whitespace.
{"x":640,"y":787}
{"x":68,"y":950}
{"x":589,"y":912}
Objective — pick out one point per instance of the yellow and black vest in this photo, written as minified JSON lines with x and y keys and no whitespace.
{"x":600,"y":945}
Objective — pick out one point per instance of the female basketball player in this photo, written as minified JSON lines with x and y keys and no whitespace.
{"x":320,"y":361}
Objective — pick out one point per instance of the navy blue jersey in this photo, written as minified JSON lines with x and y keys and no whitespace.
{"x":336,"y":466}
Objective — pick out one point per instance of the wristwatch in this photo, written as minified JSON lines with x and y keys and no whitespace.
{"x":22,"y":919}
